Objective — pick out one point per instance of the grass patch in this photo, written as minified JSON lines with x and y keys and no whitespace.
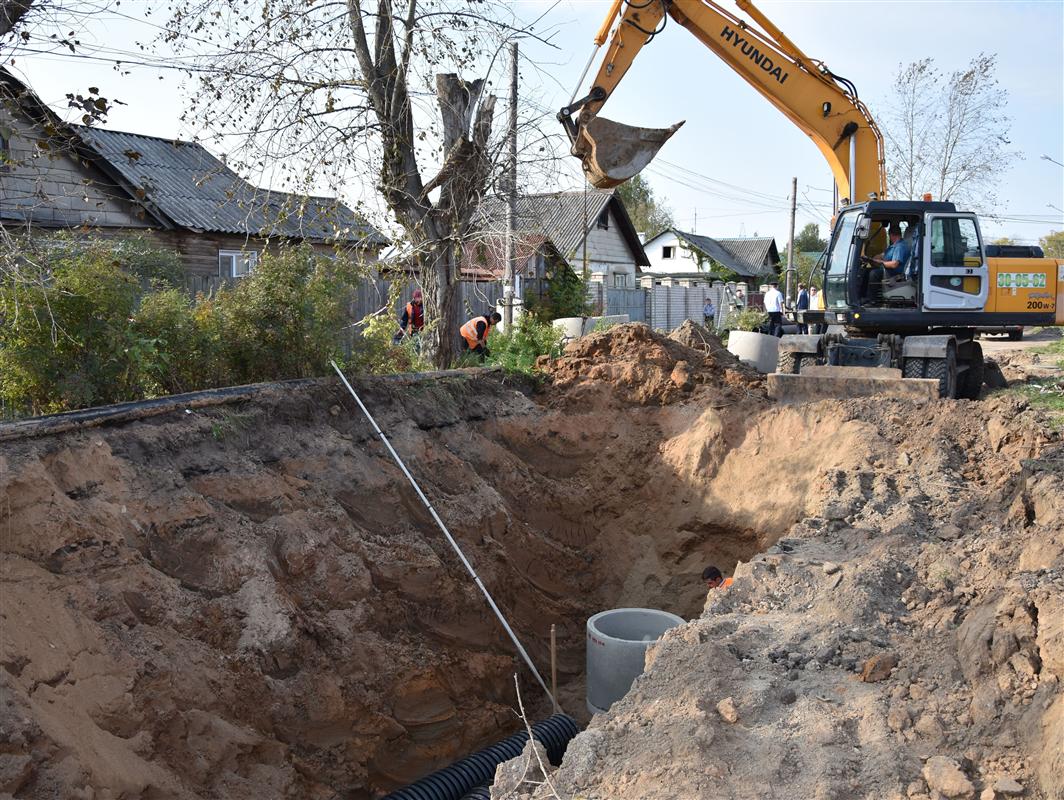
{"x":1053,"y":349}
{"x":1046,"y":394}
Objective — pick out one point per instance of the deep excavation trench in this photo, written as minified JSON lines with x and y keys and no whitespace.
{"x":250,"y":601}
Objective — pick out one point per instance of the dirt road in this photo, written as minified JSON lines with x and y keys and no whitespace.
{"x":1002,"y":344}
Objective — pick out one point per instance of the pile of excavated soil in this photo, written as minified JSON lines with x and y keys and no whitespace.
{"x":250,"y":601}
{"x":907,"y":641}
{"x":632,"y":365}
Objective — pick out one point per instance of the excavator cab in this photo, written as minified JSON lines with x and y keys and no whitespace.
{"x":942,"y":270}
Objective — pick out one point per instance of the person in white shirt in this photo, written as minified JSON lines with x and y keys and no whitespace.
{"x":774,"y":307}
{"x":816,"y":303}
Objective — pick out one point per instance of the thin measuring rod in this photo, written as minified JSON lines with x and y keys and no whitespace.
{"x":583,"y":74}
{"x":447,"y":533}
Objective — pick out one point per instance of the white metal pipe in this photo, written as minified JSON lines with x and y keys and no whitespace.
{"x":447,"y":533}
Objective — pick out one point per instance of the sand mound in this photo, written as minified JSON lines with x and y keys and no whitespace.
{"x":249,"y":601}
{"x":634,"y":365}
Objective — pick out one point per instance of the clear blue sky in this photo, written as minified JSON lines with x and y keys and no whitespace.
{"x":733,"y":138}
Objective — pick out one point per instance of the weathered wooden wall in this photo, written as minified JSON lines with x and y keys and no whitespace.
{"x":54,"y":188}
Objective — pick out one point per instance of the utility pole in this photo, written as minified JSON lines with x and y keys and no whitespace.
{"x":695,"y":228}
{"x":511,"y":201}
{"x":789,"y":281}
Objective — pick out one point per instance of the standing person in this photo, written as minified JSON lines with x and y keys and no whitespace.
{"x":802,"y":304}
{"x":740,"y":299}
{"x":413,"y":319}
{"x":816,"y":303}
{"x":475,"y":333}
{"x":709,"y":313}
{"x":774,"y":307}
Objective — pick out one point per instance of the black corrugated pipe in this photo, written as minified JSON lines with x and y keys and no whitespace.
{"x":453,"y":782}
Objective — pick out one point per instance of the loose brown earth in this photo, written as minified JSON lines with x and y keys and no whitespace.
{"x":250,"y":601}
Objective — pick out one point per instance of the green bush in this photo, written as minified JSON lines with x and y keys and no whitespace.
{"x":517,"y":350}
{"x":749,"y":319}
{"x":92,"y":322}
{"x":282,"y":320}
{"x":67,"y":338}
{"x":566,"y":295}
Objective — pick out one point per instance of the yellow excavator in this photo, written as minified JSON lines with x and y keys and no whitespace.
{"x":913,"y":333}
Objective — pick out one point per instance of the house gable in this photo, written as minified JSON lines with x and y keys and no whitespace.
{"x":50,"y":182}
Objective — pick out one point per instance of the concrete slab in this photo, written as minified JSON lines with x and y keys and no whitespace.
{"x":806,"y":388}
{"x":824,"y":370}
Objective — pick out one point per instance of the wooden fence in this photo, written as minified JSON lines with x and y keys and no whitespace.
{"x":661,"y":307}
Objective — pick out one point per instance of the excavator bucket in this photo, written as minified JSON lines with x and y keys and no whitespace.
{"x":612,"y":152}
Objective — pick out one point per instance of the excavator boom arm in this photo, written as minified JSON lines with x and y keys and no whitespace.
{"x":805,"y":91}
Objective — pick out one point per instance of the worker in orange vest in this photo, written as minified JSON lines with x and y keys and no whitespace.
{"x":413,"y":319}
{"x":475,"y":333}
{"x":714,"y":579}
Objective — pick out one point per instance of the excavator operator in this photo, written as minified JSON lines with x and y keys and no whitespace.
{"x":891,"y":262}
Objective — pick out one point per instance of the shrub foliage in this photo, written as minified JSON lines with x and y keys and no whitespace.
{"x":91,"y":322}
{"x":518,"y":350}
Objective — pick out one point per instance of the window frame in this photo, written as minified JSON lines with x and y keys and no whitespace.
{"x":671,"y":255}
{"x":250,"y":256}
{"x":623,"y":278}
{"x":6,"y":153}
{"x":602,"y":222}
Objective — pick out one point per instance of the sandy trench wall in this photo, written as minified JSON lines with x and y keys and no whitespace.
{"x":250,"y":600}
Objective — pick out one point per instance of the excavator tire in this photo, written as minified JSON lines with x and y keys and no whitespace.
{"x":944,"y":370}
{"x":790,"y":363}
{"x":970,"y":382}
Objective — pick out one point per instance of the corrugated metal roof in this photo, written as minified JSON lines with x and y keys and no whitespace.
{"x":196,"y":190}
{"x":560,"y":216}
{"x":759,"y":251}
{"x":733,"y":253}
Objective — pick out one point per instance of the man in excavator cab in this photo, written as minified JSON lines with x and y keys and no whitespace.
{"x":889,"y":276}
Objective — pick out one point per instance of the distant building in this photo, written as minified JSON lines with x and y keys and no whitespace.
{"x":57,"y":176}
{"x":590,"y":227}
{"x":675,"y":252}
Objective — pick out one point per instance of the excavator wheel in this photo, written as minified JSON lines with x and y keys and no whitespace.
{"x":944,"y":370}
{"x":970,"y":382}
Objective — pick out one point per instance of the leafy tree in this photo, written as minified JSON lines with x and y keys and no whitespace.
{"x":648,"y":213}
{"x":808,"y":240}
{"x":333,"y":92}
{"x":805,"y":241}
{"x":947,"y":134}
{"x":1053,"y":244}
{"x":1003,"y":240}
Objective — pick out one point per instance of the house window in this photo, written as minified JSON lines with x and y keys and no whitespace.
{"x":236,"y":263}
{"x":603,"y":221}
{"x":668,"y":251}
{"x":5,"y":152}
{"x":620,"y":280}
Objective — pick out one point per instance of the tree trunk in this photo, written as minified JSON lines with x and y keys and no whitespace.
{"x":439,"y":272}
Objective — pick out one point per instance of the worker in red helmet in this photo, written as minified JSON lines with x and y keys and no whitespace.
{"x":413,"y":319}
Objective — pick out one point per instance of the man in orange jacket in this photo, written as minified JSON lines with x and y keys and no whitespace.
{"x":475,"y":333}
{"x":714,"y":579}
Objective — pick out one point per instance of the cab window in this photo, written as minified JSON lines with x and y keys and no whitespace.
{"x":955,"y":243}
{"x":839,"y":260}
